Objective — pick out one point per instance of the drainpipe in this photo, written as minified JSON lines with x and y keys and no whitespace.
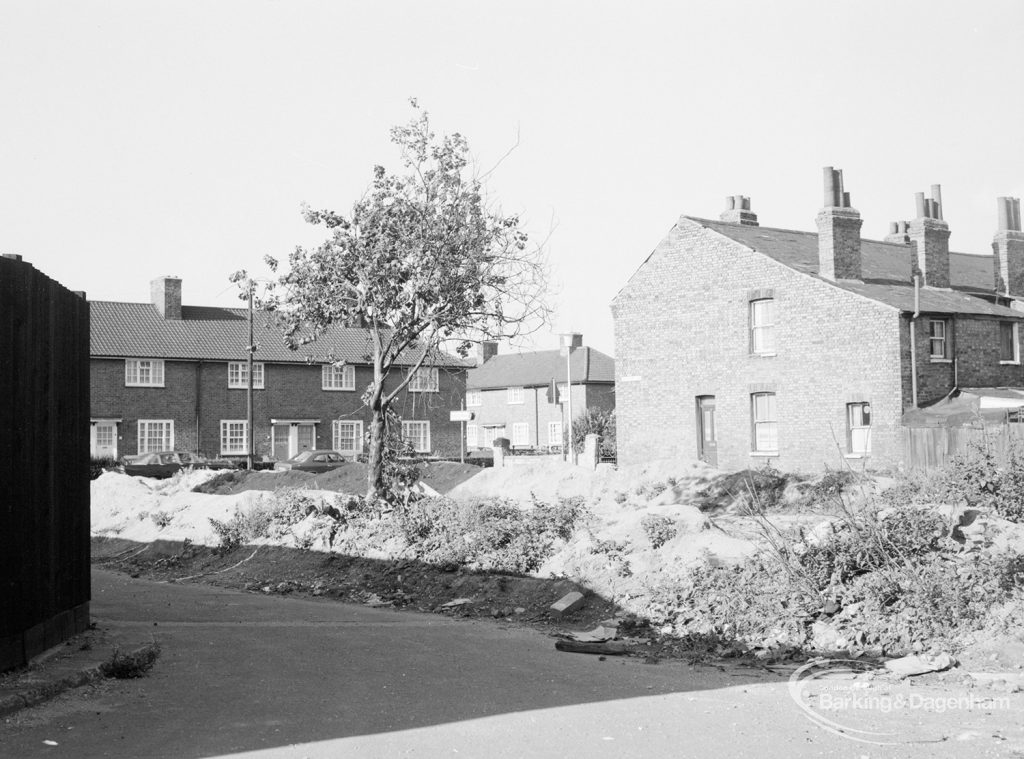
{"x":913,"y":338}
{"x":199,"y":404}
{"x":956,"y":363}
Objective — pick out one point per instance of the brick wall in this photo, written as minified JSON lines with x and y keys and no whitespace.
{"x":974,"y":345}
{"x":682,"y":331}
{"x":534,"y":411}
{"x":196,"y":396}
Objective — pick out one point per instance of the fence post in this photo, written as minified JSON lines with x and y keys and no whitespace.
{"x":591,"y":451}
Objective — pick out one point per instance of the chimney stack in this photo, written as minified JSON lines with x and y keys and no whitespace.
{"x":737,"y":211}
{"x":165,"y":293}
{"x":1008,"y":249}
{"x":898,"y":232}
{"x":838,"y":231}
{"x":485,"y":350}
{"x":930,"y":236}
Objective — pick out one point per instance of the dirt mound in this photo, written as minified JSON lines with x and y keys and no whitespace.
{"x":442,"y":476}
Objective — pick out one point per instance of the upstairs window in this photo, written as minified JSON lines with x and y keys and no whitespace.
{"x":143,"y":372}
{"x":1009,"y":351}
{"x":238,"y":375}
{"x":474,"y":398}
{"x":938,"y":342}
{"x":424,"y":380}
{"x":858,"y":428}
{"x":765,"y":423}
{"x":762,"y":326}
{"x":514,"y":395}
{"x":338,"y":377}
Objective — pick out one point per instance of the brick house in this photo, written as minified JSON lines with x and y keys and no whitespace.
{"x":510,"y":394}
{"x":166,"y":376}
{"x":744,"y":345}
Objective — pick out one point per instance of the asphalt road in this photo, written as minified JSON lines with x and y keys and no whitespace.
{"x":252,"y":675}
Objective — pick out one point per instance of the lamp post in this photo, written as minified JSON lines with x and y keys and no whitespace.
{"x":570,"y":340}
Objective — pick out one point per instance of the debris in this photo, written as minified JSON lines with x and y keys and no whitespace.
{"x":374,"y":600}
{"x":456,"y":602}
{"x":597,"y":635}
{"x":919,"y":664}
{"x":567,"y":604}
{"x":607,"y":648}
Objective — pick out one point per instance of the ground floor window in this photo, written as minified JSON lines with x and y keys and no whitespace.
{"x":234,"y":436}
{"x":156,"y":435}
{"x":554,"y":433}
{"x":520,"y":433}
{"x":418,"y":435}
{"x":472,"y":436}
{"x":765,"y":423}
{"x":347,"y":436}
{"x":858,"y":428}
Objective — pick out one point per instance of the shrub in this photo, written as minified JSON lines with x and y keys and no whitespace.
{"x":161,"y":518}
{"x":494,"y":535}
{"x":761,"y":489}
{"x":598,"y":422}
{"x":99,"y":464}
{"x":136,"y":664}
{"x":659,"y":529}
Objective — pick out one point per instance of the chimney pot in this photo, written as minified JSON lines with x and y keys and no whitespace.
{"x":730,"y":202}
{"x":930,"y":235}
{"x":737,"y":211}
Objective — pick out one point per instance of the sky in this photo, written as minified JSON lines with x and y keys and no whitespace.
{"x":142,"y":139}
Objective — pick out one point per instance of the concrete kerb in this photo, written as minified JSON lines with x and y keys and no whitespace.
{"x":35,"y":692}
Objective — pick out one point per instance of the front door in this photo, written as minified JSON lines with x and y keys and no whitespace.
{"x":104,"y":439}
{"x":707,"y":433}
{"x":291,"y":439}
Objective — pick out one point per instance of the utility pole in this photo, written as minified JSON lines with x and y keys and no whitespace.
{"x":248,"y":391}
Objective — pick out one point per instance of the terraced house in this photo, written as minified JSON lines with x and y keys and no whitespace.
{"x":164,"y":376}
{"x":744,"y":345}
{"x":524,"y":397}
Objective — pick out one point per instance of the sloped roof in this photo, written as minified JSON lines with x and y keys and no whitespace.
{"x":886,"y":269}
{"x":540,"y":367}
{"x":137,"y":330}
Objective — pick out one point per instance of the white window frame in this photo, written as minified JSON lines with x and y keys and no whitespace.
{"x":762,"y":327}
{"x":166,"y":436}
{"x":858,"y":434}
{"x":133,"y":372}
{"x":228,"y":435}
{"x":472,"y":436}
{"x":1015,"y":329}
{"x":238,"y":375}
{"x":514,"y":395}
{"x":555,"y":433}
{"x":942,"y":340}
{"x":336,"y":427}
{"x":474,"y":398}
{"x":764,"y":423}
{"x":563,"y":392}
{"x":425,"y":380}
{"x":520,"y":433}
{"x":338,"y":377}
{"x":420,"y":440}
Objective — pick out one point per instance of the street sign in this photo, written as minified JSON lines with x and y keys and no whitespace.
{"x":461,"y":416}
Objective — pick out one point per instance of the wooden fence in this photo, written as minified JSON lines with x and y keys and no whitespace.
{"x":930,"y":447}
{"x":44,"y":462}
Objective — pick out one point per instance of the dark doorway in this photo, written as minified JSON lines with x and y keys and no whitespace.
{"x":707,"y":432}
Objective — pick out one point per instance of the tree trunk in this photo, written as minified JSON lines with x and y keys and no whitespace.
{"x":375,"y":470}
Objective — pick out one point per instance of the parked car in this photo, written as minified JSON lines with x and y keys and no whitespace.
{"x":167,"y":463}
{"x":312,"y":461}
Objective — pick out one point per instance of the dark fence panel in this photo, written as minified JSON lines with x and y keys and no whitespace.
{"x":44,"y":462}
